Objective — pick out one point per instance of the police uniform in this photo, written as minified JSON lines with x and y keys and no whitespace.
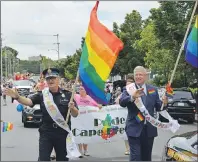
{"x":51,"y":135}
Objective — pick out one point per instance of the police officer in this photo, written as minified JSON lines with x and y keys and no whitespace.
{"x":51,"y":135}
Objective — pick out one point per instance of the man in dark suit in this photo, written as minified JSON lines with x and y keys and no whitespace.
{"x":141,"y":134}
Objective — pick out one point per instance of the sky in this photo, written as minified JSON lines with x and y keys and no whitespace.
{"x":29,"y":27}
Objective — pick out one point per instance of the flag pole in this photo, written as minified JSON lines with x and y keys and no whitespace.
{"x":182,"y":46}
{"x":72,"y":96}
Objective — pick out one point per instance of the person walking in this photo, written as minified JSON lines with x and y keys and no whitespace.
{"x":51,"y":135}
{"x":141,"y":134}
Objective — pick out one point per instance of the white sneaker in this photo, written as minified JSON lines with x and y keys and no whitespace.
{"x":86,"y":153}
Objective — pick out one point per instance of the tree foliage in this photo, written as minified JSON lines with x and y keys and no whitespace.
{"x":154,"y":43}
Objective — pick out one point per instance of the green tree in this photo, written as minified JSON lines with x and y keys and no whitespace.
{"x":128,"y":32}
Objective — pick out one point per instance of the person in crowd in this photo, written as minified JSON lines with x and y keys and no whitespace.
{"x":108,"y":95}
{"x":3,"y":94}
{"x":129,"y":80}
{"x":41,"y":84}
{"x":82,"y":99}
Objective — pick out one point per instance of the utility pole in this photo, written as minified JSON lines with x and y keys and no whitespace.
{"x":1,"y":59}
{"x":57,"y":35}
{"x":6,"y":64}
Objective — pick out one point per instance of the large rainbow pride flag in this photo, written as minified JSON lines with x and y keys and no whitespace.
{"x":191,"y":46}
{"x":99,"y":54}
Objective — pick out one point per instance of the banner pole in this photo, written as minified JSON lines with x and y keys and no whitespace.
{"x":72,"y":96}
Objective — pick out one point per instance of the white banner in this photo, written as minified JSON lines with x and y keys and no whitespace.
{"x":99,"y":126}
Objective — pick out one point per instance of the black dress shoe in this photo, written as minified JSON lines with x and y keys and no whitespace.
{"x":53,"y":157}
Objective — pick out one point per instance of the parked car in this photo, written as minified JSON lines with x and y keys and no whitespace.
{"x":182,"y":106}
{"x":31,"y":115}
{"x":24,"y":87}
{"x":182,"y":147}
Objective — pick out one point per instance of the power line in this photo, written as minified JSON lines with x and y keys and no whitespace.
{"x":34,"y":34}
{"x":48,"y":35}
{"x":32,"y":43}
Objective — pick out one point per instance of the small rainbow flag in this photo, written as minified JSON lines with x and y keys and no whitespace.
{"x":151,"y":91}
{"x":100,"y":51}
{"x":139,"y":117}
{"x":169,"y":90}
{"x":7,"y":126}
{"x":191,"y":46}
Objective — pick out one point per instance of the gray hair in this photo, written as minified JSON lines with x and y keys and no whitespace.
{"x":139,"y":69}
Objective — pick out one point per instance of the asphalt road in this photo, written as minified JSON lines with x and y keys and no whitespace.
{"x":21,"y":144}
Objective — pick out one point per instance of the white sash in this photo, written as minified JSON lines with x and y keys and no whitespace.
{"x":52,"y":109}
{"x":172,"y":125}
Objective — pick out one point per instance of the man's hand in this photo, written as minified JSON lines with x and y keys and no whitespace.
{"x":71,"y":105}
{"x":74,"y":110}
{"x":12,"y":92}
{"x":138,"y":93}
{"x":99,"y":106}
{"x":165,"y":100}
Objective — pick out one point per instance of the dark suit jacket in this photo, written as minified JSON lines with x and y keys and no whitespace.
{"x":133,"y":128}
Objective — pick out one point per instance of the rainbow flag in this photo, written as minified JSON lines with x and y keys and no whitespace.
{"x":7,"y":126}
{"x":191,"y":46}
{"x":99,"y":54}
{"x":151,"y":91}
{"x":139,"y":117}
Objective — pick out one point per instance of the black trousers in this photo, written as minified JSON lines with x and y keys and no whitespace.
{"x":50,"y":140}
{"x":141,"y":147}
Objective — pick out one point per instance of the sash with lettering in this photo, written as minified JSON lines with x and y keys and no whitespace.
{"x":72,"y":150}
{"x":172,"y":125}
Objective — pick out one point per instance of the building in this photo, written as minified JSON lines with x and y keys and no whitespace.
{"x":34,"y":58}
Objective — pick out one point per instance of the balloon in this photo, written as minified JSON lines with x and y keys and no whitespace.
{"x":19,"y":107}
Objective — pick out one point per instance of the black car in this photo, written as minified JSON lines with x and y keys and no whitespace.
{"x":182,"y":147}
{"x":31,"y":115}
{"x":182,"y":106}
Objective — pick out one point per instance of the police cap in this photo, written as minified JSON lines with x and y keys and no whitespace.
{"x":51,"y":72}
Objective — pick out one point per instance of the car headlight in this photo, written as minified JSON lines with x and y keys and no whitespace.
{"x":192,"y":101}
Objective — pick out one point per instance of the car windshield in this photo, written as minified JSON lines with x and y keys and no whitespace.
{"x":182,"y":94}
{"x":22,"y":83}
